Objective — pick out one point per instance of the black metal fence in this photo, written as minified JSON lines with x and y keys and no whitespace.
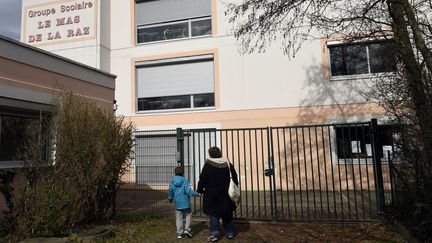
{"x":400,"y":176}
{"x":317,"y":172}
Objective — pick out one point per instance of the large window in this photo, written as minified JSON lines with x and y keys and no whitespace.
{"x":179,"y":83}
{"x":361,"y":58}
{"x":15,"y":130}
{"x":159,"y":20}
{"x":353,"y":142}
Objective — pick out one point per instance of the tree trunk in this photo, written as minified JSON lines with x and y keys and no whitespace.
{"x":415,"y":83}
{"x":417,"y":34}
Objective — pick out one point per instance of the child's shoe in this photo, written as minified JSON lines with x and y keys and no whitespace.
{"x":179,"y":237}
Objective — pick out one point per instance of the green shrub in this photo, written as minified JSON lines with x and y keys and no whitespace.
{"x":90,"y":151}
{"x":7,"y":221}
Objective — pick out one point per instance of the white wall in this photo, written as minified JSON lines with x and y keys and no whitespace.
{"x":268,"y":80}
{"x":120,"y":24}
{"x":256,"y":81}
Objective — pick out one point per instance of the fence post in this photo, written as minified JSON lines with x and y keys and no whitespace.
{"x":180,"y":147}
{"x":271,"y":173}
{"x":378,"y":169}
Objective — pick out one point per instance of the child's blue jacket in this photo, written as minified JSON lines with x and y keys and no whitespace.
{"x":179,"y":190}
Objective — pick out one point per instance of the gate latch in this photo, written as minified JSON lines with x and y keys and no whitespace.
{"x":269,"y":171}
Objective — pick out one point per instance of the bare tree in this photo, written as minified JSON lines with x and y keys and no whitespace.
{"x":406,"y":95}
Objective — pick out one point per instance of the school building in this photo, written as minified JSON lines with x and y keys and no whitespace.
{"x":178,"y":65}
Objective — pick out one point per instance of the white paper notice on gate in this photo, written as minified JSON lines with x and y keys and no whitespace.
{"x":355,"y":147}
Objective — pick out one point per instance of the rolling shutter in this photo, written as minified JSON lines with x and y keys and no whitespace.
{"x":150,"y":12}
{"x":173,"y":77}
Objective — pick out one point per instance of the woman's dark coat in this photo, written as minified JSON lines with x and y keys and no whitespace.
{"x":213,"y":183}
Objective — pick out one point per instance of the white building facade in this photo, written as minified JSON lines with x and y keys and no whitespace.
{"x":179,"y":65}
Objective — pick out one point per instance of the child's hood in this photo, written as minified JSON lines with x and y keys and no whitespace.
{"x":178,"y":181}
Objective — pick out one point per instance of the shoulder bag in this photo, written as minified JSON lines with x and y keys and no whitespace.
{"x":233,"y":189}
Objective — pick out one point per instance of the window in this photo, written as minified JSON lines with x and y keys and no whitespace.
{"x":179,"y":83}
{"x":361,"y":58}
{"x":354,"y":141}
{"x":15,"y":127}
{"x":172,"y":19}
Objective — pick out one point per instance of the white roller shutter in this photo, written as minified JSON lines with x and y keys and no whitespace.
{"x":150,"y":12}
{"x":175,"y":77}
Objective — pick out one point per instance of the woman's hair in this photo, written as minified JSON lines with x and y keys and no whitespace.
{"x":215,"y":152}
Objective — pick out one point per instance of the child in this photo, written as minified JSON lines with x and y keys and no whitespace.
{"x":179,"y":190}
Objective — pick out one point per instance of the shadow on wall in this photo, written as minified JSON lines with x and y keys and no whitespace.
{"x":328,"y":101}
{"x":306,"y":158}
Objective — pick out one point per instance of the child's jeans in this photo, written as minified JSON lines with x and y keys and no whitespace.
{"x":179,"y":220}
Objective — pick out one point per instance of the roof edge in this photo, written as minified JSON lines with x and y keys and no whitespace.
{"x":28,"y":54}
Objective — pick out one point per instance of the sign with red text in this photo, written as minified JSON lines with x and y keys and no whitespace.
{"x":59,"y":21}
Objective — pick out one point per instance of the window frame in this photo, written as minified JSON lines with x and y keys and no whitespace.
{"x":359,"y":160}
{"x":175,"y":60}
{"x":189,"y":20}
{"x":192,"y":108}
{"x":366,"y":44}
{"x":21,"y":111}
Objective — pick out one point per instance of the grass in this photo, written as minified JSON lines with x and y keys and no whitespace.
{"x":139,"y":228}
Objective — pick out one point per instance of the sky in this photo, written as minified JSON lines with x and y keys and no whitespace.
{"x":10,"y":18}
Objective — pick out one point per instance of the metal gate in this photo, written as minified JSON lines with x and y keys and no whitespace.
{"x":314,"y":172}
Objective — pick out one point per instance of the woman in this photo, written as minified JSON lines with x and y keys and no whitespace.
{"x":213,"y":183}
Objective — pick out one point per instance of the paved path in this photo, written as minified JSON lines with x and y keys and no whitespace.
{"x":164,"y":231}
